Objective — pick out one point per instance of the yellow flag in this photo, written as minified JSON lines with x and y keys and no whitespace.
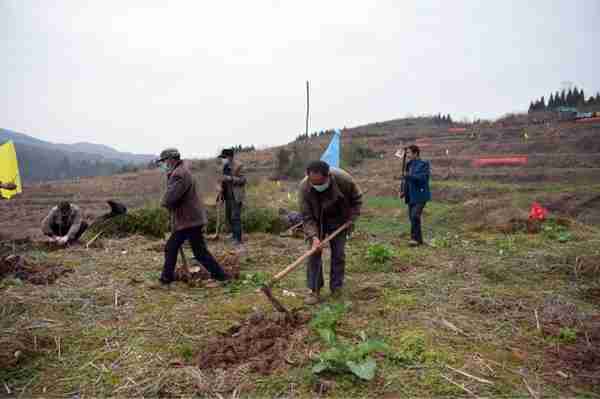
{"x":9,"y":169}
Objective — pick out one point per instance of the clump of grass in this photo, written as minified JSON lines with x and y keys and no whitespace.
{"x":379,"y":254}
{"x":410,"y":349}
{"x":567,"y":335}
{"x":150,"y":221}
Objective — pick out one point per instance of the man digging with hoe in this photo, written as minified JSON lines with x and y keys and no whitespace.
{"x":188,"y":217}
{"x":329,"y":198}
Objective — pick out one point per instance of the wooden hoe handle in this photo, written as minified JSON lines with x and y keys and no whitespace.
{"x":298,"y":261}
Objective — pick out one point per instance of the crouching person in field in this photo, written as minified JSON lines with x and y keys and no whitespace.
{"x":64,"y":224}
{"x":188,"y":217}
{"x":328,"y":199}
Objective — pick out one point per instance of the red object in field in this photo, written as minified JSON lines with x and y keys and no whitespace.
{"x":500,"y":161}
{"x":537,"y":212}
{"x":457,"y":129}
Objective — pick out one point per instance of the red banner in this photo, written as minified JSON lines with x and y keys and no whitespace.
{"x":500,"y":161}
{"x":595,"y":119}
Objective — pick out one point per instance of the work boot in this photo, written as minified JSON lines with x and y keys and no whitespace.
{"x":413,"y":243}
{"x":313,"y":298}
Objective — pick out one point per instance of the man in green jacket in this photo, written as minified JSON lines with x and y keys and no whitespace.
{"x":328,"y":199}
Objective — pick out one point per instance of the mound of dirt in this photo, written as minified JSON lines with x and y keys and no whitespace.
{"x":585,"y":207}
{"x":35,"y":274}
{"x":230,"y":262}
{"x":261,"y":342}
{"x":497,"y":216}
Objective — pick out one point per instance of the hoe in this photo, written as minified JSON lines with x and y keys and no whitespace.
{"x":266,"y":289}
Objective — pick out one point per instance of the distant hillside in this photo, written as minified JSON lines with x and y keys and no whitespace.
{"x":40,"y":160}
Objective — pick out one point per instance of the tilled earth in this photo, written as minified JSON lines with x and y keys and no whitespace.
{"x":263,"y":342}
{"x":38,"y":274}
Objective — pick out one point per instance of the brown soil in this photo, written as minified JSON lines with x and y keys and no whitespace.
{"x":580,"y":360}
{"x":36,"y":274}
{"x":585,"y":207}
{"x":261,"y":342}
{"x":18,"y":349}
{"x":588,"y":266}
{"x":367,"y":293}
{"x":230,"y":262}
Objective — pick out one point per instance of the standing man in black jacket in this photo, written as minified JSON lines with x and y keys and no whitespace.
{"x":232,"y":191}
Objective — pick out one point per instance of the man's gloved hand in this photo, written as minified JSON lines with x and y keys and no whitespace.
{"x":62,"y":240}
{"x":227,"y":178}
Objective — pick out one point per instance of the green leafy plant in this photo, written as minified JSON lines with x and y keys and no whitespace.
{"x":343,"y":356}
{"x":553,"y":230}
{"x":411,"y":349}
{"x":248,"y":281}
{"x":379,"y":254}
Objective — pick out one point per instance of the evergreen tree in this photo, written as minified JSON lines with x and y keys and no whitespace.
{"x":557,"y":99}
{"x":570,"y":99}
{"x":563,"y":98}
{"x":551,"y":101}
{"x":581,"y":98}
{"x":530,"y":107}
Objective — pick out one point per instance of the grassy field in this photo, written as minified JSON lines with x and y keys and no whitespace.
{"x":478,"y":312}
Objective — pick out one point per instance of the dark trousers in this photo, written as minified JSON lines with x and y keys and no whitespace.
{"x":314,"y":271}
{"x":201,"y":253}
{"x":233,"y":213}
{"x":57,"y":231}
{"x":414,"y":214}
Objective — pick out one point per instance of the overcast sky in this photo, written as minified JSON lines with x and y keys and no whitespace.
{"x":141,"y":75}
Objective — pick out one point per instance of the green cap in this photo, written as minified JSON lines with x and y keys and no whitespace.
{"x":169,"y":153}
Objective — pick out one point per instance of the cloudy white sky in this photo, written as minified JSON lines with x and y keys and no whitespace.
{"x":141,"y":75}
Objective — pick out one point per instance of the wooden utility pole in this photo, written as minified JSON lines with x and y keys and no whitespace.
{"x":307,"y":107}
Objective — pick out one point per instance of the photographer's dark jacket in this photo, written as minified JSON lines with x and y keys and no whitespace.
{"x":417,"y":182}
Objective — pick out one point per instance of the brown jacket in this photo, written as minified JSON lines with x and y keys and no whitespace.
{"x":343,"y":194}
{"x":238,"y":182}
{"x":182,"y":200}
{"x":70,"y":226}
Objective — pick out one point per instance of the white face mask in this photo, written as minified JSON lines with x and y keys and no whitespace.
{"x":321,"y":187}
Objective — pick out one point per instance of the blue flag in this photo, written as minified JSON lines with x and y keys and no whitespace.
{"x":332,"y":153}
